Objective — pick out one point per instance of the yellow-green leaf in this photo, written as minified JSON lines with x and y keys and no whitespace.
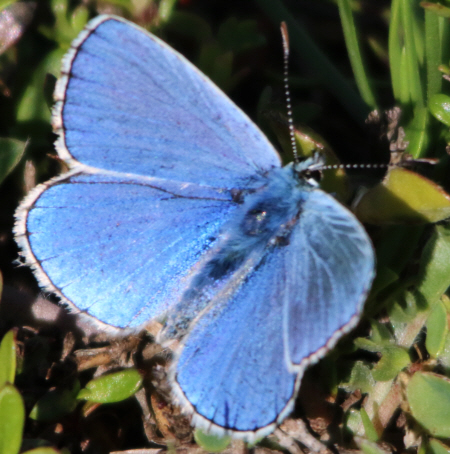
{"x":7,"y":359}
{"x":12,"y":417}
{"x":404,"y":197}
{"x":112,"y":387}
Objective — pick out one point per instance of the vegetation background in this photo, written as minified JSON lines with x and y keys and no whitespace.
{"x":386,"y":387}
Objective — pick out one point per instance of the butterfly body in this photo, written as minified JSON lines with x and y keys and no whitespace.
{"x":261,"y":221}
{"x":177,"y":208}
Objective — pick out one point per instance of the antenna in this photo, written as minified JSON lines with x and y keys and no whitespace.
{"x":285,"y":36}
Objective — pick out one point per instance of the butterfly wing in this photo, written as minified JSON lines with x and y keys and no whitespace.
{"x":129,"y":103}
{"x":240,"y":363}
{"x":330,"y":267}
{"x":231,"y":370}
{"x":149,"y":140}
{"x":116,"y":248}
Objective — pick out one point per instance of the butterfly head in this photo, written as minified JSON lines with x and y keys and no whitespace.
{"x":310,"y":169}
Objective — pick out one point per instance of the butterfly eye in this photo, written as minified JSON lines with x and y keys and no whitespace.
{"x":313,"y":177}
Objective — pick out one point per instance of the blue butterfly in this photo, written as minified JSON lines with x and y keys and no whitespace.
{"x":176,"y":208}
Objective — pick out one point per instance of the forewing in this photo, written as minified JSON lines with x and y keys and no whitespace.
{"x":231,"y":370}
{"x":329,"y":268}
{"x":120,"y":250}
{"x":129,"y":103}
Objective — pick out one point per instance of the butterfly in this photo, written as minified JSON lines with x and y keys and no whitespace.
{"x":177,"y":208}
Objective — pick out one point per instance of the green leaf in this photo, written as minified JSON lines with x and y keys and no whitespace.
{"x":12,"y":418}
{"x":43,"y":450}
{"x":211,"y":443}
{"x":11,"y":152}
{"x":55,"y":403}
{"x":433,"y":52}
{"x":354,"y":52}
{"x":369,"y":447}
{"x":7,"y":359}
{"x":428,"y":396}
{"x":436,"y":8}
{"x":78,"y":19}
{"x":5,"y":3}
{"x":112,"y":387}
{"x":404,"y":54}
{"x":33,"y":104}
{"x":404,"y":309}
{"x":360,"y":378}
{"x":404,"y":197}
{"x":353,"y":420}
{"x":165,"y":9}
{"x":434,"y":273}
{"x":437,"y":447}
{"x":367,"y":344}
{"x":416,"y":132}
{"x":437,"y":330}
{"x":392,"y":361}
{"x":380,"y":333}
{"x":369,"y":428}
{"x":439,"y":106}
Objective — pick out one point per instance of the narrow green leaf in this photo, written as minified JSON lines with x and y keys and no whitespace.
{"x":416,"y":132}
{"x":369,"y":428}
{"x":7,"y":359}
{"x":354,"y":53}
{"x":395,"y":51}
{"x":437,"y":330}
{"x":412,"y":57}
{"x":433,"y":53}
{"x":12,"y":417}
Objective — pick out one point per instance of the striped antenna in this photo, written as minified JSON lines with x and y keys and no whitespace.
{"x":320,"y":167}
{"x":285,"y":36}
{"x":355,"y":166}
